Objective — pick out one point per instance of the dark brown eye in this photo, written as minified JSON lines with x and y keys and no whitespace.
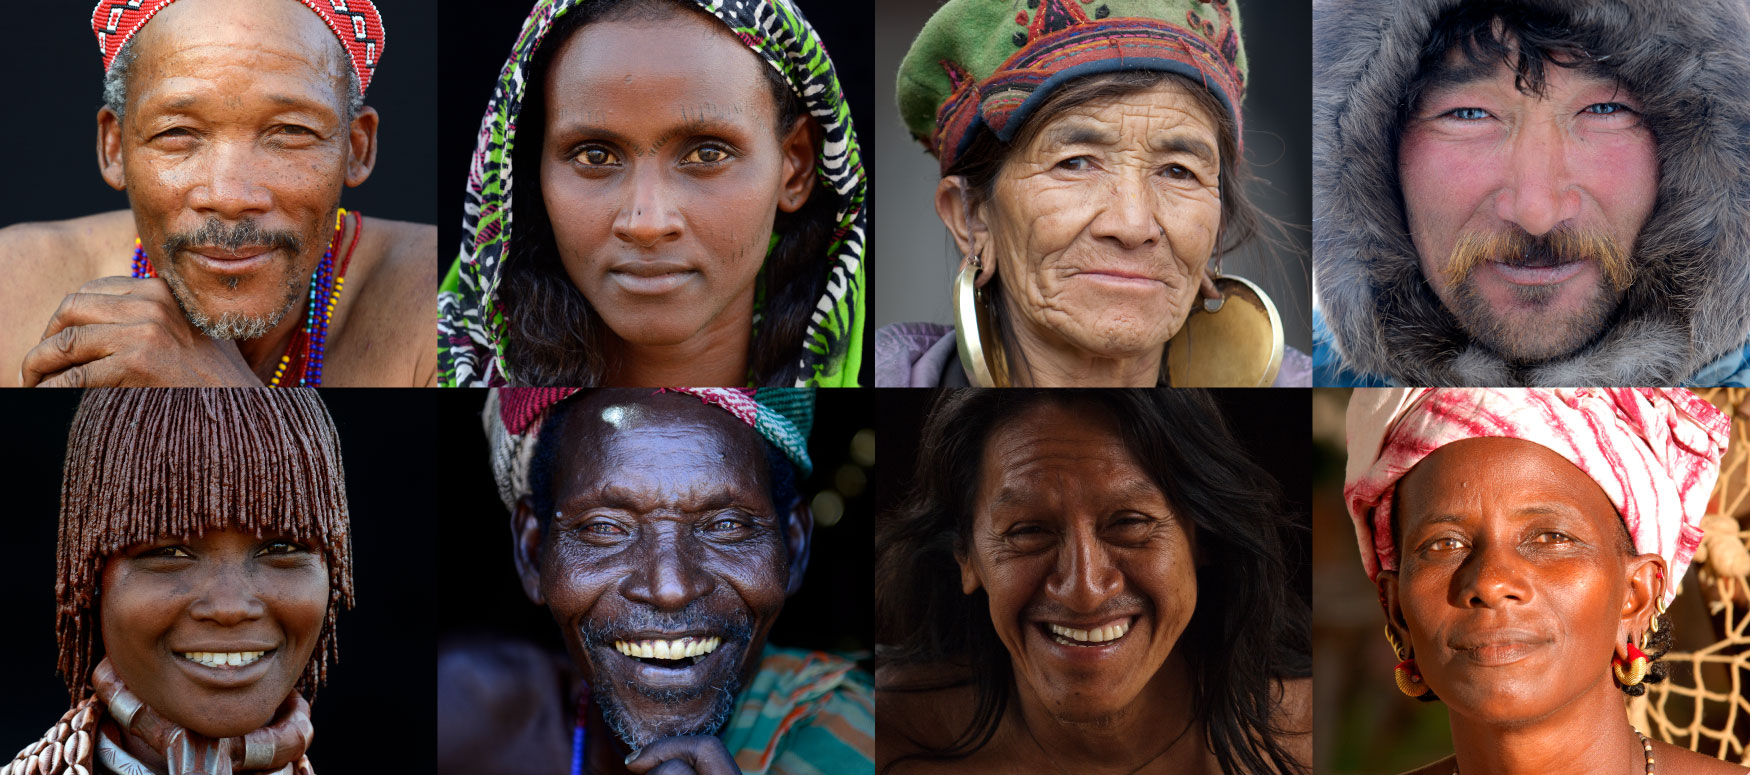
{"x":706,"y":154}
{"x":597,"y":157}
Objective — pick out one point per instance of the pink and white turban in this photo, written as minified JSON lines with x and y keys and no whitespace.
{"x":1654,"y":451}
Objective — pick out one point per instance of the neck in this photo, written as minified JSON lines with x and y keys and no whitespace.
{"x":1156,"y":732}
{"x":1589,"y":735}
{"x":263,"y":353}
{"x":716,"y":356}
{"x":1049,"y":361}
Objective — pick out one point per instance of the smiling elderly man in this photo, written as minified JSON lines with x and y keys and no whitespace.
{"x":663,"y":530}
{"x":233,"y":127}
{"x":1538,"y":192}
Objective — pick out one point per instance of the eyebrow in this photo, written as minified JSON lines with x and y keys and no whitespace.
{"x":689,"y":127}
{"x":1082,"y":134}
{"x":1185,"y":145}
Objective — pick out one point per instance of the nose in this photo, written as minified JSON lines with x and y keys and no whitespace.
{"x":227,"y":597}
{"x":1128,"y":218}
{"x":672,"y":577}
{"x":1540,"y":192}
{"x":1085,"y":577}
{"x":1492,"y":576}
{"x":233,"y":184}
{"x":651,"y":215}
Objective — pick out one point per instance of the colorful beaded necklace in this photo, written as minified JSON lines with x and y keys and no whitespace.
{"x":304,"y":356}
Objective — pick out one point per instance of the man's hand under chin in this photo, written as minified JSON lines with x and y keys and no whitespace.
{"x":123,"y":332}
{"x":684,"y":755}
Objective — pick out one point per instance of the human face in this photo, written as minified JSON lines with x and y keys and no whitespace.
{"x":1481,"y":158}
{"x":1512,"y":584}
{"x":1070,"y":533}
{"x":664,"y":532}
{"x":233,"y":153}
{"x":166,"y":604}
{"x":1101,"y":226}
{"x":662,"y":172}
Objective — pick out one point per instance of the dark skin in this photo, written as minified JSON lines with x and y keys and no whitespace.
{"x":1514,"y":569}
{"x":234,"y":115}
{"x":1070,"y":530}
{"x":662,"y":171}
{"x":226,"y":591}
{"x":663,"y":506}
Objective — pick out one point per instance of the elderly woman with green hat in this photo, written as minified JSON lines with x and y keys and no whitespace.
{"x":1091,"y":164}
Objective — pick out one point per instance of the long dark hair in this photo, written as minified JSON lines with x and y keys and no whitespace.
{"x":1250,"y":629}
{"x":555,"y":337}
{"x":1241,"y":220}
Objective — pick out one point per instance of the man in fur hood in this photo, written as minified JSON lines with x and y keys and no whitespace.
{"x":1536,"y":192}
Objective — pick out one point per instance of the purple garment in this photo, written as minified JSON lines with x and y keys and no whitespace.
{"x":924,"y":355}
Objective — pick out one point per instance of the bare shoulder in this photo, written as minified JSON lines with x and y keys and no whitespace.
{"x":917,"y":708}
{"x":393,"y":309}
{"x":1681,"y":760}
{"x":45,"y":261}
{"x":1294,"y":717}
{"x":1441,"y":766}
{"x":77,"y":248}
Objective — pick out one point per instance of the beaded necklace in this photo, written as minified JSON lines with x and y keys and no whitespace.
{"x":304,"y":356}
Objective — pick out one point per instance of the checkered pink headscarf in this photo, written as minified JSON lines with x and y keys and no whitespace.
{"x":1655,"y":452}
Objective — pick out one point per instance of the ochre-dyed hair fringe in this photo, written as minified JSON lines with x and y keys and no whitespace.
{"x":143,"y":464}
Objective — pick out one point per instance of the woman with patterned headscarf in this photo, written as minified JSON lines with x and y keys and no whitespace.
{"x":1525,"y":544}
{"x":1092,"y":179}
{"x":694,"y":207}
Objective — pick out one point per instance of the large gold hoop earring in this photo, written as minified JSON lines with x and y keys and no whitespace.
{"x":1236,"y":342}
{"x":981,"y":353}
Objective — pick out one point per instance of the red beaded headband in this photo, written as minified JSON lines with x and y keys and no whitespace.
{"x":355,"y":22}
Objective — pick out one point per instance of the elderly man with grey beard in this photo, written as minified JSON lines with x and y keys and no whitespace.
{"x":233,"y":127}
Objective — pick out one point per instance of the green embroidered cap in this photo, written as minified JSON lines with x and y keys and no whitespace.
{"x":991,"y":62}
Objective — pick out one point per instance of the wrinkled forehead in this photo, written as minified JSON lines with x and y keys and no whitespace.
{"x":668,"y":447}
{"x":205,"y":33}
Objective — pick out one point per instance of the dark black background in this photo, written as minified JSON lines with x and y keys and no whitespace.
{"x":375,"y":713}
{"x":833,"y":611}
{"x":55,"y":86}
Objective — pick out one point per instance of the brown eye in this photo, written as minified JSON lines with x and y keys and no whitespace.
{"x":706,"y":154}
{"x":597,"y":157}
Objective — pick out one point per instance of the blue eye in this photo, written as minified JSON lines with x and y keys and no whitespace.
{"x":1606,"y":108}
{"x":1468,"y":114}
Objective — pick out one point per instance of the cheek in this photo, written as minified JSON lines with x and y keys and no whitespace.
{"x":299,"y":601}
{"x":1621,"y":171}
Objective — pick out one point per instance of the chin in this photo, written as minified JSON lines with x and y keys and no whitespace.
{"x":224,"y":719}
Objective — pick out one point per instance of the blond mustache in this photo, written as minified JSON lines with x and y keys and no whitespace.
{"x":1566,"y":244}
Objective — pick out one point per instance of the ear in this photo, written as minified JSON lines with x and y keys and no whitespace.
{"x":964,"y":221}
{"x":525,"y":531}
{"x":109,"y":149}
{"x":798,"y":151}
{"x":361,"y":146}
{"x":1646,"y":576}
{"x":798,"y":539}
{"x":969,"y":581}
{"x":1387,"y":584}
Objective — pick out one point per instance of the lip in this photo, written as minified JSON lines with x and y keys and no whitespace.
{"x":1083,"y":653}
{"x":1119,"y":277}
{"x":1497,"y":648}
{"x":220,"y":261}
{"x":1537,"y":275}
{"x":651,"y":278}
{"x":226,"y":677}
{"x":665,"y":677}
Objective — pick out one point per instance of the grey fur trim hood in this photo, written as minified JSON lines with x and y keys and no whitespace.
{"x":1687,"y":62}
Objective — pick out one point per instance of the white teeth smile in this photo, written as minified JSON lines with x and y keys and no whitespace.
{"x":684,"y":648}
{"x":1097,"y":635}
{"x":221,"y":659}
